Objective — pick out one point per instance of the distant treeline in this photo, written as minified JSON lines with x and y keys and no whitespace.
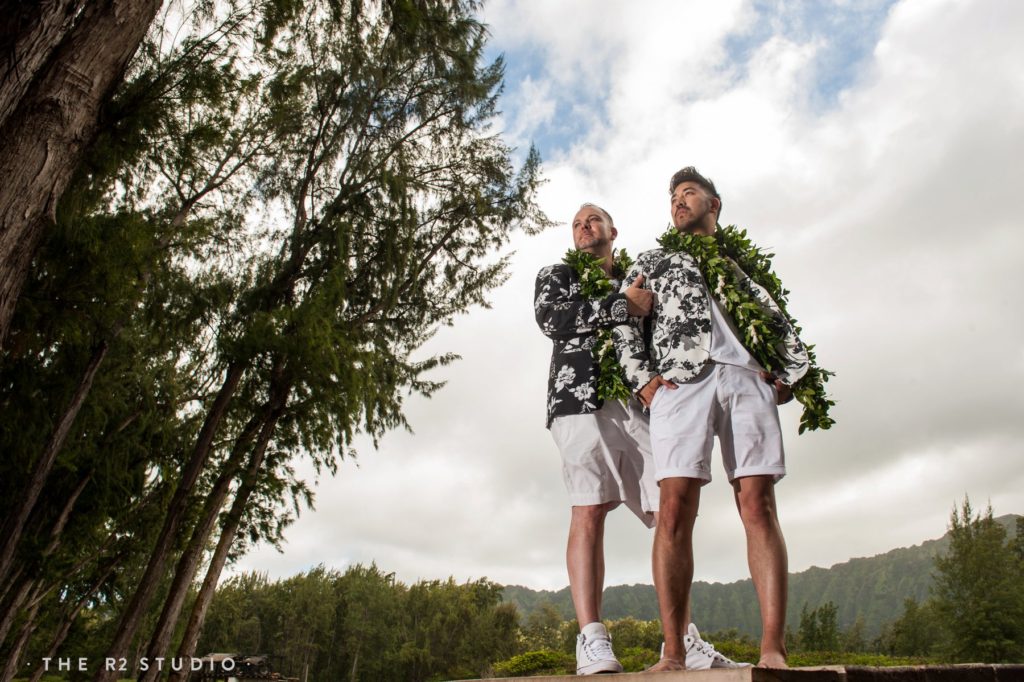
{"x":365,"y":625}
{"x":872,"y":590}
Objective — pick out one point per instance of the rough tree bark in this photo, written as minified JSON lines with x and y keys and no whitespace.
{"x":47,"y":133}
{"x":18,"y":597}
{"x":16,"y":651}
{"x":30,"y":32}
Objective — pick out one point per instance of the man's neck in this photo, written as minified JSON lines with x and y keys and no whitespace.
{"x":703,"y":229}
{"x":606,"y":259}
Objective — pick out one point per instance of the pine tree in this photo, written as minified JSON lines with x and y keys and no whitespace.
{"x":978,"y":592}
{"x":915,"y":633}
{"x":819,"y":630}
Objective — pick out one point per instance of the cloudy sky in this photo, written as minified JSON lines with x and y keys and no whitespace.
{"x":874,"y":145}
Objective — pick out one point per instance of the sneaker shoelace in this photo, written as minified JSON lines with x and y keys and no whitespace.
{"x":709,"y":649}
{"x":599,"y":648}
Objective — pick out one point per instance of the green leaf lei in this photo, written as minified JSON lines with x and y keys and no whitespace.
{"x":595,"y":284}
{"x":762,"y":333}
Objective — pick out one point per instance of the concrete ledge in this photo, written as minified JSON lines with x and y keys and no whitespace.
{"x":972,"y":672}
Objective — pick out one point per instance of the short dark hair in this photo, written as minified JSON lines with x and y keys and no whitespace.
{"x":690,"y":174}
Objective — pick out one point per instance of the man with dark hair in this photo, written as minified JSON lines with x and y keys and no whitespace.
{"x":690,"y":174}
{"x":692,"y":370}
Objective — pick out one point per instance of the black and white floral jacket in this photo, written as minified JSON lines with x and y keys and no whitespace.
{"x":572,"y":323}
{"x":676,"y":341}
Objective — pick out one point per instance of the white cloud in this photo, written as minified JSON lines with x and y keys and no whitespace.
{"x":895,"y":216}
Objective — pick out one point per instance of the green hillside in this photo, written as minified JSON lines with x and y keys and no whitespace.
{"x":872,"y":588}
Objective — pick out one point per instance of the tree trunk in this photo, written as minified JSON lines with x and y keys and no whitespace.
{"x":18,"y":598}
{"x":15,"y":524}
{"x":68,"y":619}
{"x":31,"y":31}
{"x":185,"y":572}
{"x":65,"y":515}
{"x":5,"y":588}
{"x":46,"y":135}
{"x":14,"y":655}
{"x":187,"y":648}
{"x":55,"y":540}
{"x":131,"y":617}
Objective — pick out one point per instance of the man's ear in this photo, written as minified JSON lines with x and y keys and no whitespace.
{"x":716,"y":204}
{"x":615,"y":233}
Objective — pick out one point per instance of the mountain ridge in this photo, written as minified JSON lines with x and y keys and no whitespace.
{"x":872,"y":588}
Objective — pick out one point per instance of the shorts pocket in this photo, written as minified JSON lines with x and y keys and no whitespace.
{"x":657,"y":392}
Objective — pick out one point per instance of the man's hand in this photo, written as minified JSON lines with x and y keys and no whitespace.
{"x":783,"y":391}
{"x":646,"y":394}
{"x":639,"y":301}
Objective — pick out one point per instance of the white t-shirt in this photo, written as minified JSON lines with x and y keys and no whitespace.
{"x":726,"y":348}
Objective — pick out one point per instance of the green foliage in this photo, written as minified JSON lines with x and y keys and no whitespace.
{"x":363,"y":624}
{"x":594,"y":281}
{"x":854,"y":638}
{"x":820,"y":658}
{"x":299,"y":192}
{"x":739,"y":648}
{"x":818,"y":629}
{"x":635,"y":659}
{"x":543,"y":662}
{"x":761,"y":333}
{"x":611,"y":378}
{"x":978,"y":592}
{"x":639,"y":658}
{"x":915,"y":633}
{"x":596,"y":284}
{"x":1017,"y":545}
{"x":630,"y":632}
{"x":543,"y":628}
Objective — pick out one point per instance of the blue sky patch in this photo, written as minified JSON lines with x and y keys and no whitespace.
{"x":848,"y":33}
{"x":565,"y":127}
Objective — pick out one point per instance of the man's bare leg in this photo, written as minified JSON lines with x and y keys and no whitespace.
{"x":672,"y":564}
{"x":584,"y":558}
{"x":766,"y":555}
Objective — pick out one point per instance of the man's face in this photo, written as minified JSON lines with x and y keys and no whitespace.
{"x":591,"y":231}
{"x":691,"y":207}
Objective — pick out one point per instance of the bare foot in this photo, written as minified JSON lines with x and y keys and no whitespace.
{"x":772,"y":661}
{"x":665,"y":665}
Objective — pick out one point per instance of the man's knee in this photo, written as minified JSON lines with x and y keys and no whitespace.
{"x":678,"y":504}
{"x":756,"y":501}
{"x":592,"y":513}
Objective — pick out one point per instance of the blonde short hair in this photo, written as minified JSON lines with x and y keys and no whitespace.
{"x":607,"y":215}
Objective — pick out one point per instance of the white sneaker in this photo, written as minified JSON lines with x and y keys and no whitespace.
{"x":594,"y":651}
{"x":701,"y":655}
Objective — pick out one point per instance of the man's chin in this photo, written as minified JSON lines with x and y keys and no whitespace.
{"x":689,"y":227}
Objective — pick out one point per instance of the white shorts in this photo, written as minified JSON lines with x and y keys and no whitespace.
{"x":606,"y":457}
{"x":731,"y":402}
